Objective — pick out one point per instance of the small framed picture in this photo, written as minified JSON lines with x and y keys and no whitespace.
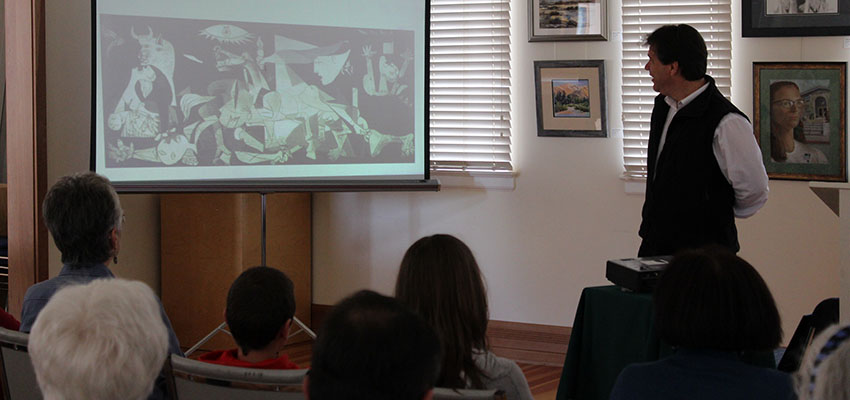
{"x":570,"y":98}
{"x":560,"y":20}
{"x":799,"y":119}
{"x":795,"y":18}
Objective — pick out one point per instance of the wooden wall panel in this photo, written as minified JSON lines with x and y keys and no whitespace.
{"x":209,"y":239}
{"x":26,"y":146}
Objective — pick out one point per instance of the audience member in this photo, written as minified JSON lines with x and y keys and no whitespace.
{"x":439,"y":279}
{"x":823,"y":373}
{"x":85,"y":218}
{"x":260,"y":307}
{"x":9,"y":321}
{"x":103,"y":340}
{"x":371,"y":347}
{"x":711,"y":306}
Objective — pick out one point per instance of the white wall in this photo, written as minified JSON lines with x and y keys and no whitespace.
{"x":541,"y":243}
{"x":68,"y":51}
{"x":538,"y":244}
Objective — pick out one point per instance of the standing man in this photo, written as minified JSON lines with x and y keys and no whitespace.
{"x":705,"y":167}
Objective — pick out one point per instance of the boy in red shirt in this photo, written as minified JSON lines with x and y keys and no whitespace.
{"x":260,"y":307}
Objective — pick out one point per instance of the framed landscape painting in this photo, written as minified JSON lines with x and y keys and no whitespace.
{"x":799,"y":119}
{"x":570,"y":98}
{"x":555,"y":20}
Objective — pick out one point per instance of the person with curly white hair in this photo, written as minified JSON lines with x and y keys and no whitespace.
{"x":103,"y":340}
{"x":823,"y":374}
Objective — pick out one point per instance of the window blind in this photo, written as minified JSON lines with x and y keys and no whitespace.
{"x":470,"y":116}
{"x":712,"y":18}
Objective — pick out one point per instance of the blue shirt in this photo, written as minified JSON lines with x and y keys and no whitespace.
{"x":38,"y":295}
{"x":697,"y":374}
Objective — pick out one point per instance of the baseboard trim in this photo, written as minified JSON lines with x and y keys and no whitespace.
{"x":530,"y":343}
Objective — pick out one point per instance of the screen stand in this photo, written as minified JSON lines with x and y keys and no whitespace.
{"x":222,"y":327}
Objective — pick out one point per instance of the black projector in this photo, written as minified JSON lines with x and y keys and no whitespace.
{"x":637,"y":274}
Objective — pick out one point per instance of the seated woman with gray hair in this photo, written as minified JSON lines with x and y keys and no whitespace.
{"x":104,"y":340}
{"x":823,"y":373}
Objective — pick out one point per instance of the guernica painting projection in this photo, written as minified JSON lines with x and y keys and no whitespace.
{"x":180,"y":92}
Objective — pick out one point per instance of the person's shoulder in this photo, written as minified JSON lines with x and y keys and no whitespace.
{"x":772,"y":383}
{"x":633,"y":381}
{"x":493,"y":365}
{"x":642,"y":370}
{"x":41,"y":291}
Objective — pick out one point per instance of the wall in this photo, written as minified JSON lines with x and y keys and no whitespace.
{"x":68,"y":117}
{"x":538,"y":244}
{"x":544,"y":241}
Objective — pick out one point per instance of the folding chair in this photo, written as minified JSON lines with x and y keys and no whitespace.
{"x":468,"y":394}
{"x":18,"y":376}
{"x":198,"y":380}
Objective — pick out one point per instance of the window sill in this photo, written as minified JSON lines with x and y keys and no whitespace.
{"x":476,"y":180}
{"x":635,"y":186}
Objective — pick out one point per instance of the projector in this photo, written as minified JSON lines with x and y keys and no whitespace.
{"x":637,"y":274}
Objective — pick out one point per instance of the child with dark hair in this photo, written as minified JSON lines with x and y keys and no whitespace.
{"x":372,"y":347}
{"x":260,"y":307}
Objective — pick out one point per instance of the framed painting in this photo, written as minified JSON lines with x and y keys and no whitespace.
{"x":560,"y":20}
{"x":799,"y":119}
{"x":795,"y":18}
{"x":570,"y":98}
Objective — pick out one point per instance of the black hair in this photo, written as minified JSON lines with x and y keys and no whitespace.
{"x":683,"y":44}
{"x":710,"y":298}
{"x":372,"y":347}
{"x":260,"y":302}
{"x":80,"y":211}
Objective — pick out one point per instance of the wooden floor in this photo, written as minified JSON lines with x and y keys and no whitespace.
{"x":542,"y":379}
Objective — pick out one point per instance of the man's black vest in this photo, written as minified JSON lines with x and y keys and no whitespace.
{"x":688,"y":200}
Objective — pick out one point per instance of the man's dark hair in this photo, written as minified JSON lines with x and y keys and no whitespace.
{"x":260,"y":302}
{"x":683,"y":44}
{"x":372,"y":347}
{"x":712,"y":299}
{"x":80,"y":211}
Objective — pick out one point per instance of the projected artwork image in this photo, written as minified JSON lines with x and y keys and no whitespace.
{"x":189,"y":93}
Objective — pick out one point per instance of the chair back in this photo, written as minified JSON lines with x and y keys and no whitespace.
{"x":468,"y":394}
{"x":198,"y":380}
{"x":824,"y":315}
{"x":18,"y":376}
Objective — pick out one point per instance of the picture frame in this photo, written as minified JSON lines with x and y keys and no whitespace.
{"x":566,"y":20}
{"x":570,"y":97}
{"x":761,"y":18}
{"x":800,"y":119}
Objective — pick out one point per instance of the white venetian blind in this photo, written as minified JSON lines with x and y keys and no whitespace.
{"x":712,"y":18}
{"x":470,"y":86}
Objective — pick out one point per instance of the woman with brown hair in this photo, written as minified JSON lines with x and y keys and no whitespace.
{"x":440,"y":280}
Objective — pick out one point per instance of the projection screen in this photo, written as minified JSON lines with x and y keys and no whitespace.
{"x":224,"y":95}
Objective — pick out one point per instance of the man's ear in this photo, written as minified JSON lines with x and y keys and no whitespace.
{"x":305,"y":386}
{"x":429,"y":395}
{"x":674,"y":68}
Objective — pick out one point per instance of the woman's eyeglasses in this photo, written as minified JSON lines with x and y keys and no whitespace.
{"x":786,"y":104}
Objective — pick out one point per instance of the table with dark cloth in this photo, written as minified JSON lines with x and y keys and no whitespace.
{"x":614,"y":328}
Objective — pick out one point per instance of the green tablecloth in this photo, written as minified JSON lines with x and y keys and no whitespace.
{"x":613,"y":329}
